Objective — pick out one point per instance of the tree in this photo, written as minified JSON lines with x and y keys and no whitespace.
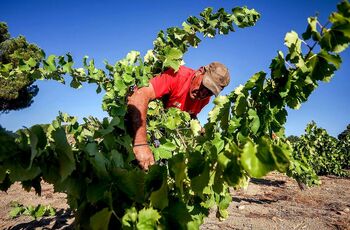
{"x":17,"y":91}
{"x":345,"y":133}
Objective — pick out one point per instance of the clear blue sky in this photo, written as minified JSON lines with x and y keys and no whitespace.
{"x":110,"y":29}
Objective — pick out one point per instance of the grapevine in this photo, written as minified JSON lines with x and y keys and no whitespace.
{"x":318,"y":153}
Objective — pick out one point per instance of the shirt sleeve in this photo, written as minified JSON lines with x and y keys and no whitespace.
{"x":163,"y":84}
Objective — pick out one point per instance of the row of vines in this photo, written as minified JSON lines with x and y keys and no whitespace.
{"x":318,"y":153}
{"x":93,"y":163}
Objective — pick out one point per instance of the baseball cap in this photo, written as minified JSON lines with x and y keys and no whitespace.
{"x":216,"y":77}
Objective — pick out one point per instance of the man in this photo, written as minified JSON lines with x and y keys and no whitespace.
{"x":186,"y":89}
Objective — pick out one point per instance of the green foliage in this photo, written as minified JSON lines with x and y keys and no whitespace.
{"x":92,"y":162}
{"x":33,"y":211}
{"x":344,"y":145}
{"x":16,"y":56}
{"x":343,"y":135}
{"x":4,"y":33}
{"x":293,"y":139}
{"x":318,"y":153}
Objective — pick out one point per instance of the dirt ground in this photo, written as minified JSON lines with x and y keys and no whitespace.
{"x":274,"y":202}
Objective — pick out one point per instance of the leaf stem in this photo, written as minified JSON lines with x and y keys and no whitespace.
{"x":181,"y":138}
{"x":118,"y":218}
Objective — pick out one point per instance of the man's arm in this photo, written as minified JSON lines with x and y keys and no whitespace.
{"x":137,"y":113}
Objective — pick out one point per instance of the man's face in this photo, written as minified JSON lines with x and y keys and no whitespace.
{"x":197,"y":90}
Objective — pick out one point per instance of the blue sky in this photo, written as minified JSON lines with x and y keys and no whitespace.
{"x":108,"y":30}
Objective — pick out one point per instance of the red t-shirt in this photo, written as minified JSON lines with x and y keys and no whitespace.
{"x":174,"y":90}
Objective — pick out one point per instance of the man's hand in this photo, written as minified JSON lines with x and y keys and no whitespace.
{"x":144,"y":156}
{"x":202,"y":132}
{"x":137,"y":112}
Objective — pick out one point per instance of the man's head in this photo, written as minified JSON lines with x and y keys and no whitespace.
{"x":209,"y":80}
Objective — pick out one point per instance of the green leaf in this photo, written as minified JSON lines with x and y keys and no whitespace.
{"x":100,"y":220}
{"x":129,"y":219}
{"x":16,"y":211}
{"x":171,"y":123}
{"x":234,"y":124}
{"x":97,"y":159}
{"x":38,"y":141}
{"x":172,"y":58}
{"x":187,"y":27}
{"x":196,"y":164}
{"x":223,"y":160}
{"x":64,"y":152}
{"x":199,"y":182}
{"x":160,"y":153}
{"x":155,"y":178}
{"x":278,"y":66}
{"x":120,"y":87}
{"x":220,"y":102}
{"x":67,"y":66}
{"x":71,"y":186}
{"x":334,"y":59}
{"x":195,"y":127}
{"x":50,"y":63}
{"x":233,"y":173}
{"x":40,"y":211}
{"x":254,"y":121}
{"x":96,"y":191}
{"x":334,"y":41}
{"x":244,"y":17}
{"x":281,"y":154}
{"x":293,"y":42}
{"x":148,"y":219}
{"x":159,"y":198}
{"x":311,"y":30}
{"x":178,"y":168}
{"x":265,"y":151}
{"x":19,"y":173}
{"x":240,"y":105}
{"x":132,"y":57}
{"x":117,"y":159}
{"x":52,"y":211}
{"x":255,"y":81}
{"x":224,"y":204}
{"x":149,"y":57}
{"x":75,"y":84}
{"x":292,"y":39}
{"x":178,"y":214}
{"x":31,"y":62}
{"x":251,"y":163}
{"x":321,"y":69}
{"x":132,"y":183}
{"x":169,"y":146}
{"x":218,"y":143}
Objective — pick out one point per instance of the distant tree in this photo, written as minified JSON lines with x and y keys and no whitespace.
{"x":4,"y":35}
{"x":345,"y":133}
{"x":293,"y":139}
{"x":16,"y":91}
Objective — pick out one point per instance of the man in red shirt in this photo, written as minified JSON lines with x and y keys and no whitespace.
{"x":187,"y":89}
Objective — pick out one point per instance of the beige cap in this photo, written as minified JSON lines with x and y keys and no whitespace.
{"x":216,"y":77}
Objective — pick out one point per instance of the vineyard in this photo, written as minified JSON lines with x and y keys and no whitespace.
{"x":93,"y":163}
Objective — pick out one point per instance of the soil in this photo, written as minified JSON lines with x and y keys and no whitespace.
{"x":274,"y":202}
